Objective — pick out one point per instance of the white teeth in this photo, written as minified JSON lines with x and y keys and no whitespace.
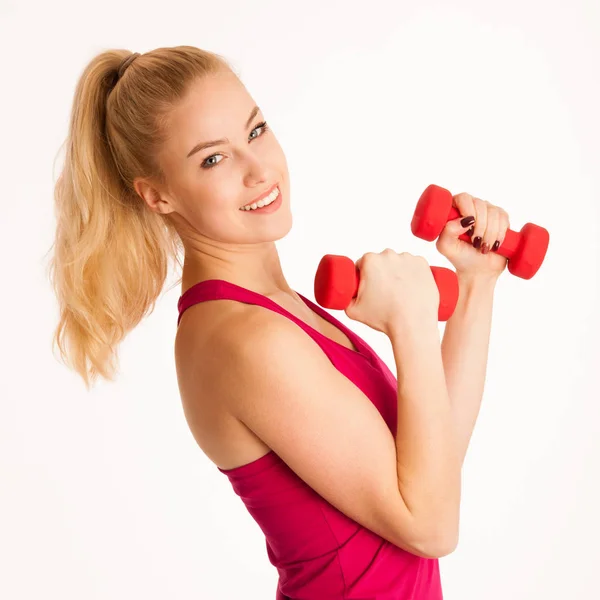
{"x":268,"y":200}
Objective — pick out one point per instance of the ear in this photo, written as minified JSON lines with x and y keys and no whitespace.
{"x":157,"y":202}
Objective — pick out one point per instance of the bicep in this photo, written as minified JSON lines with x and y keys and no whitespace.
{"x":284,"y":388}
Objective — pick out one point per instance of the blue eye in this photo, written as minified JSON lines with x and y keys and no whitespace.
{"x":206,"y":165}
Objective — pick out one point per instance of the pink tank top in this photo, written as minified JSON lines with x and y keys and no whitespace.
{"x":318,"y":551}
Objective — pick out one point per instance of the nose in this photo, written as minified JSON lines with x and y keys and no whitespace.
{"x":256,"y":170}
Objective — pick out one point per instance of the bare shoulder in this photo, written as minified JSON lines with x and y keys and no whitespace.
{"x":274,"y":387}
{"x":212,"y":330}
{"x":216,"y":338}
{"x":207,"y":346}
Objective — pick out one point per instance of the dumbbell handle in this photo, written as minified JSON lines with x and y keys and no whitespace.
{"x":337,"y":280}
{"x":525,"y":250}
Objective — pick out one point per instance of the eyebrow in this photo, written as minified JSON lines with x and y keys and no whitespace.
{"x":203,"y":145}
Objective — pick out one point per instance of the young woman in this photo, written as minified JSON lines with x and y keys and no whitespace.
{"x":352,"y":475}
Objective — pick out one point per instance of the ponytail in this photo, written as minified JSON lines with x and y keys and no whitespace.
{"x":111,"y":252}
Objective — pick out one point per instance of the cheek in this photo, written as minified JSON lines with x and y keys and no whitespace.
{"x":212,"y":208}
{"x":212,"y":191}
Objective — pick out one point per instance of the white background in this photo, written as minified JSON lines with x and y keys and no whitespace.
{"x":105,"y":495}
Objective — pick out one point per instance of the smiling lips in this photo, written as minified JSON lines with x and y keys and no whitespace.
{"x":263,"y":200}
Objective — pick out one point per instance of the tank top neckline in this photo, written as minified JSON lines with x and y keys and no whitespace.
{"x":186,"y":300}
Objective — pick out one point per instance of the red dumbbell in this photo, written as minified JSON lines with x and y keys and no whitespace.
{"x":525,"y":250}
{"x":337,"y":279}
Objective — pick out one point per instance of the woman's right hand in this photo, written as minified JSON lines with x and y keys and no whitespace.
{"x":395,"y":291}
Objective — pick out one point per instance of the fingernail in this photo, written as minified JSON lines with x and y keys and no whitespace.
{"x":485,"y":249}
{"x":476,"y":242}
{"x":496,"y":245}
{"x":467,"y":221}
{"x":470,"y":231}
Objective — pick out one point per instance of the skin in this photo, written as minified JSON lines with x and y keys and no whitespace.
{"x":220,"y":241}
{"x":465,"y":343}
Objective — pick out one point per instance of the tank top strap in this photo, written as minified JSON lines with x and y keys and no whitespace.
{"x":215,"y":289}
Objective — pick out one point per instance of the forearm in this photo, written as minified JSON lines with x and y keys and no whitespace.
{"x":464,"y":353}
{"x":428,"y":464}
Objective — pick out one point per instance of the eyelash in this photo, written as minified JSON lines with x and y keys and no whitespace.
{"x":262,"y":125}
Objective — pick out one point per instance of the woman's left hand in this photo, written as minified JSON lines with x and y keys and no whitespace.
{"x":490,"y":226}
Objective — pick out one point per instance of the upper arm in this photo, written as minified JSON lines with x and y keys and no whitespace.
{"x":282,"y":386}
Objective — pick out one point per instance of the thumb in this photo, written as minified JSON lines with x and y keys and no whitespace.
{"x":454,"y":228}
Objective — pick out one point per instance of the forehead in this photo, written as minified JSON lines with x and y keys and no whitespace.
{"x":213,"y":107}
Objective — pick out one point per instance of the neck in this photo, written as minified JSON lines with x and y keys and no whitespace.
{"x":259,"y":271}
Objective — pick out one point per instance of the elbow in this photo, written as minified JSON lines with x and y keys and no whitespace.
{"x":438,"y":546}
{"x":444,"y":549}
{"x":439,"y":534}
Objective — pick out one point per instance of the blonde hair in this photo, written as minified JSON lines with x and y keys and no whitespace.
{"x":111,"y":252}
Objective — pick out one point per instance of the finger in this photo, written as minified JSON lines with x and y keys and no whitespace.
{"x":503,"y":227}
{"x":480,"y":221}
{"x":464,"y":204}
{"x":455,"y":227}
{"x":491,"y":231}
